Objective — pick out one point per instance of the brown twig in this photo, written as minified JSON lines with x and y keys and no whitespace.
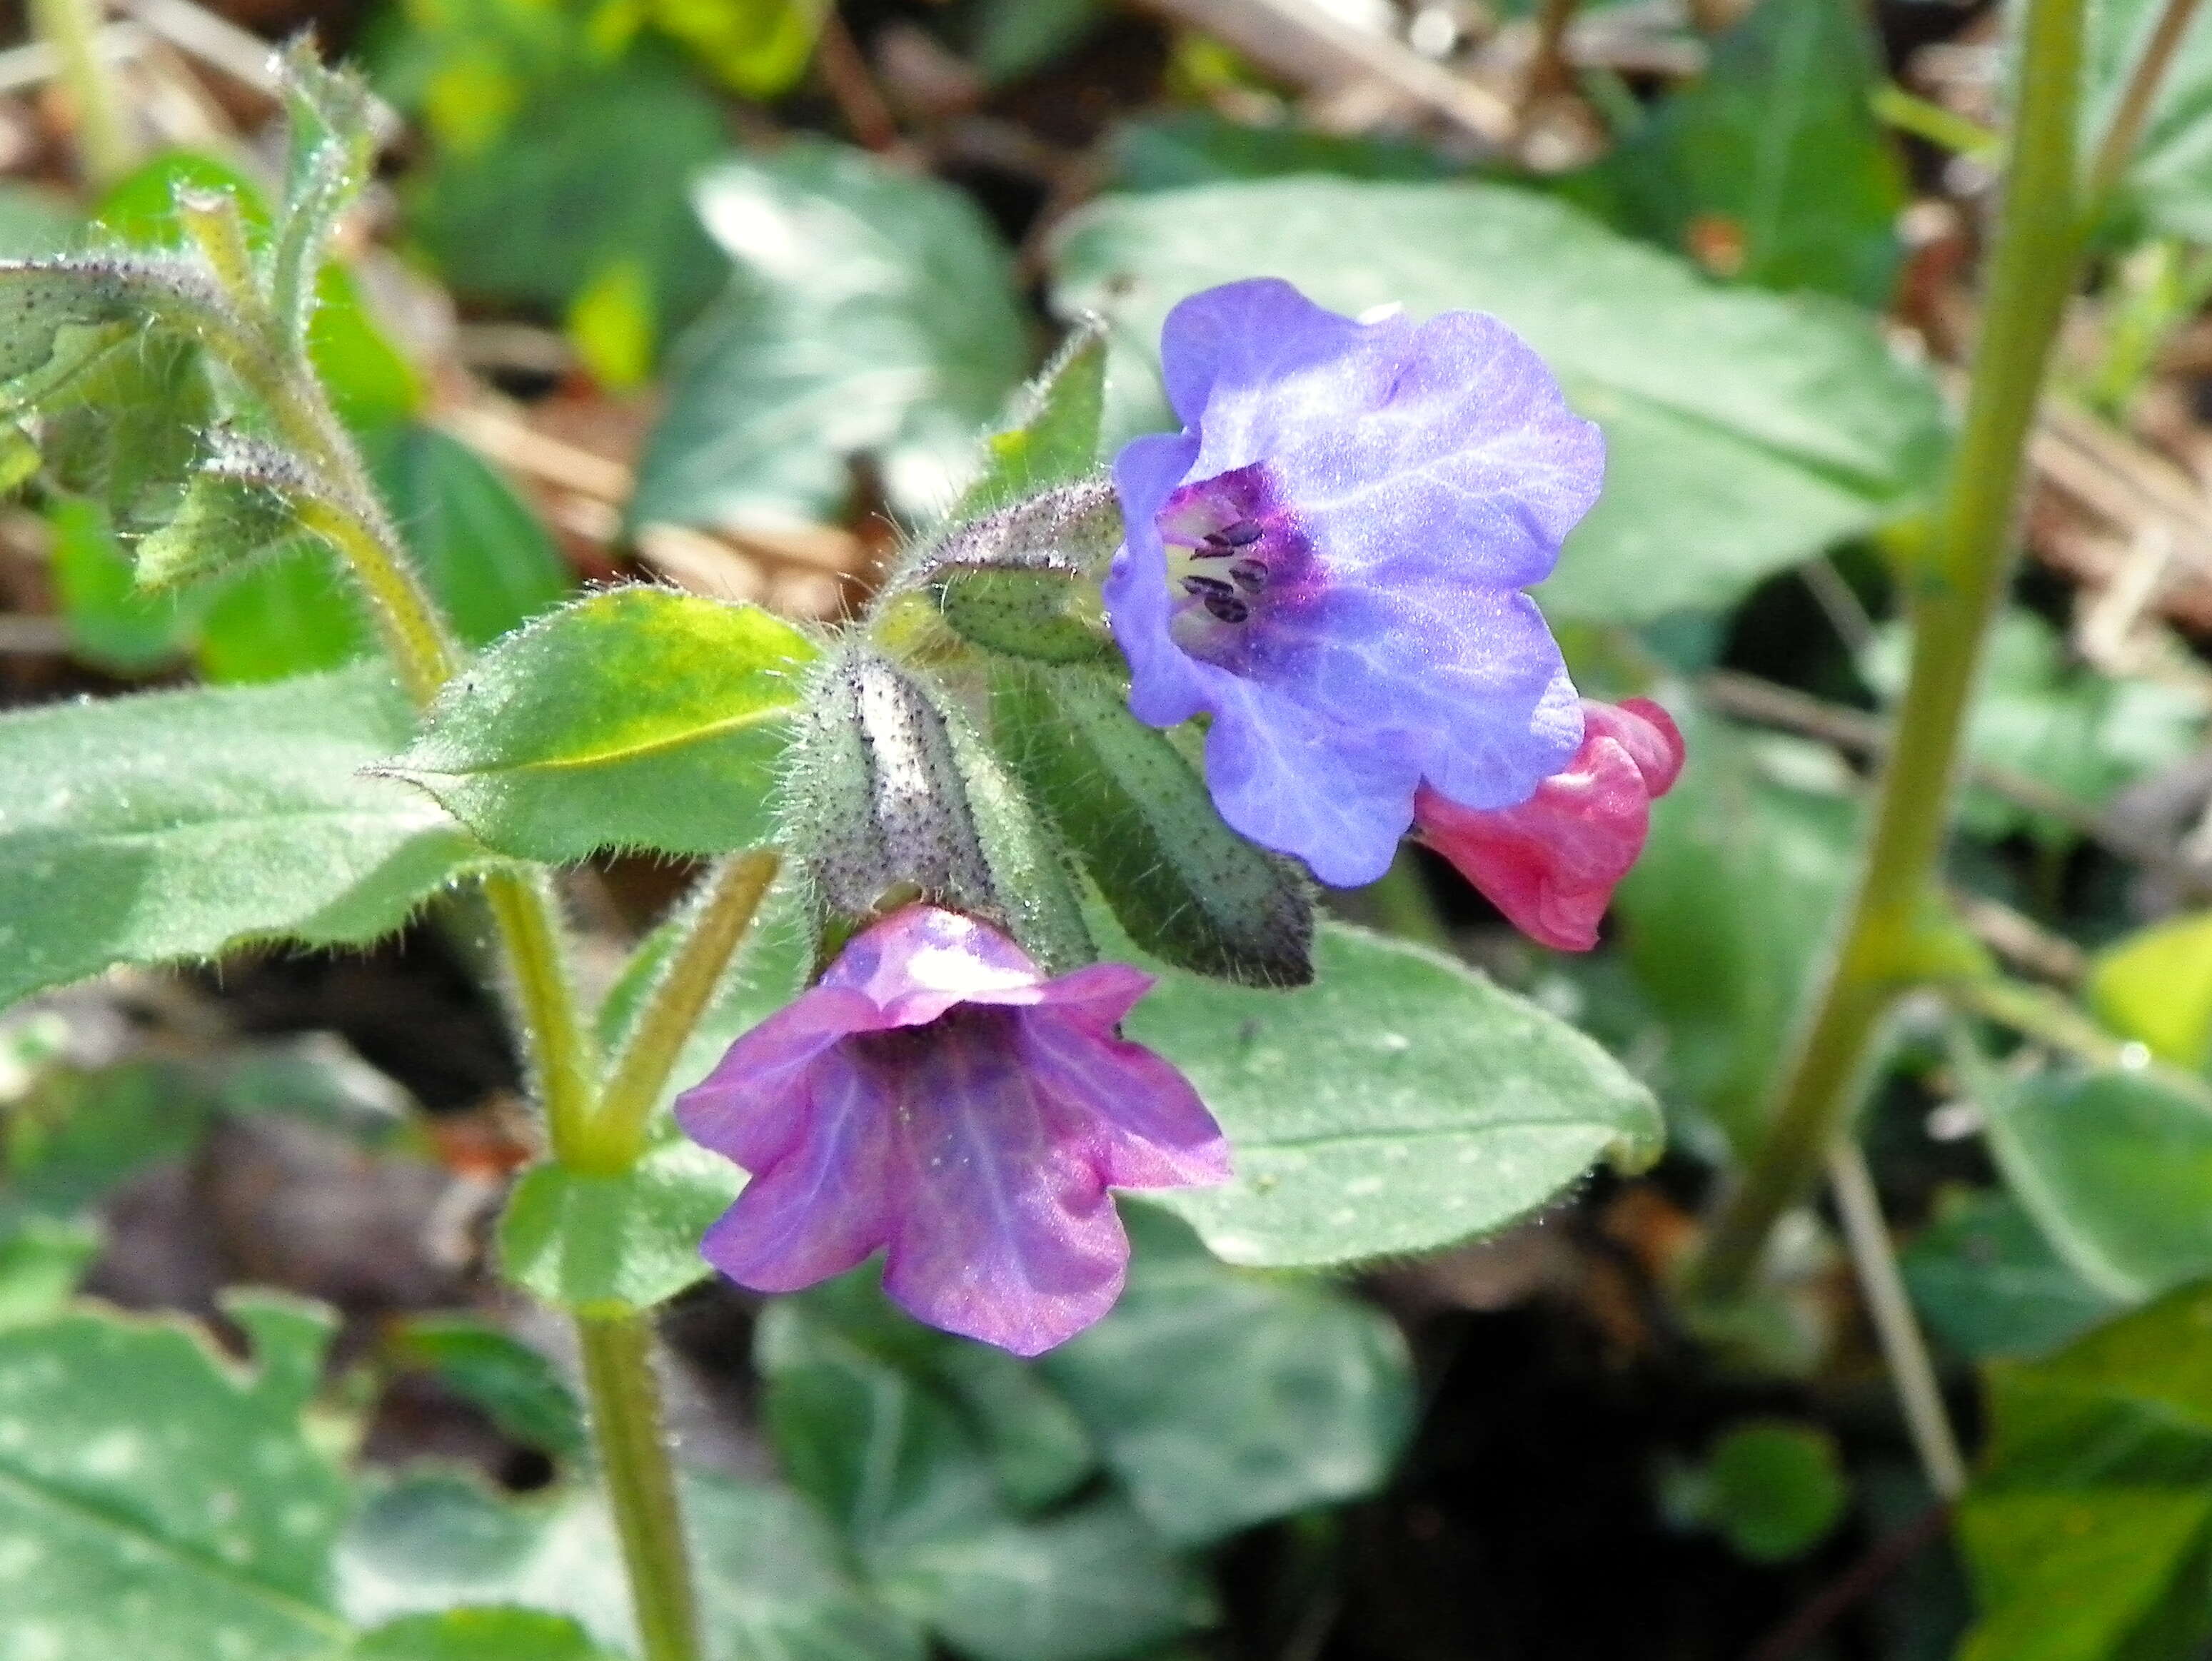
{"x":1751,"y":699}
{"x":852,"y":86}
{"x":1864,"y":1578}
{"x":2118,"y":144}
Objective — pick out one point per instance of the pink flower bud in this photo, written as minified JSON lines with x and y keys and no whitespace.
{"x":1551,"y":863}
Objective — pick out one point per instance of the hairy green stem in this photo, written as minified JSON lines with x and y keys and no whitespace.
{"x":625,"y":1406}
{"x":527,"y":913}
{"x":1955,"y":587}
{"x":717,"y":923}
{"x":1911,"y":1371}
{"x":71,"y":27}
{"x":624,"y":1402}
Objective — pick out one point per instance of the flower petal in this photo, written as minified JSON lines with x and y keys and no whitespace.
{"x":1551,"y":863}
{"x":1297,"y":782}
{"x":922,"y":960}
{"x":1143,"y":1124}
{"x":1004,"y":1231}
{"x":1241,"y":360}
{"x":1164,"y":686}
{"x":742,"y":1109}
{"x":823,"y":1204}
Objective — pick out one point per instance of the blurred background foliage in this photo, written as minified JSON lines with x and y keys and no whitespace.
{"x":719,"y":293}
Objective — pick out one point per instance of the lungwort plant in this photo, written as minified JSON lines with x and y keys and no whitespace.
{"x":1035,"y":836}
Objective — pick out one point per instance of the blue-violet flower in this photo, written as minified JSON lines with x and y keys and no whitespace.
{"x":1328,"y":561}
{"x":937,"y":1095}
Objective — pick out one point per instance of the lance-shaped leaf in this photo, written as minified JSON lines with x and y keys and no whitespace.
{"x":243,"y":501}
{"x":1400,"y":1103}
{"x":637,"y":718}
{"x":1185,"y":885}
{"x":1053,"y":438}
{"x":178,"y":824}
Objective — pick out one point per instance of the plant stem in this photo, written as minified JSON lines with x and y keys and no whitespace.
{"x":624,"y":1401}
{"x":71,"y":27}
{"x":1956,"y":585}
{"x":527,"y":913}
{"x":626,"y":1424}
{"x":729,"y":899}
{"x":1911,"y":1371}
{"x":2119,"y":143}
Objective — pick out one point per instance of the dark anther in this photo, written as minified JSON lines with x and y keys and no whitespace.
{"x":1242,"y":534}
{"x":1249,"y":575}
{"x":1227,"y":608}
{"x":1210,"y":588}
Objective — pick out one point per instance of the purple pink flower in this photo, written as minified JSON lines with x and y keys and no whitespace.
{"x":1328,"y":561}
{"x":1550,"y":864}
{"x":937,"y":1097}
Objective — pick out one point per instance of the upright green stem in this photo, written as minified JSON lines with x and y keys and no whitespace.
{"x":624,"y":1404}
{"x":71,"y":27}
{"x":625,"y":1409}
{"x":1955,"y":589}
{"x":527,"y":914}
{"x":729,"y":899}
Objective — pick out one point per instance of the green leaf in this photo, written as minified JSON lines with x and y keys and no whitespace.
{"x":1223,"y":1398}
{"x":78,"y":1135}
{"x":769,"y":1576}
{"x":513,"y":1383}
{"x":1988,"y":1283}
{"x":113,"y":624}
{"x":2087,"y":734}
{"x":1052,"y":437}
{"x":479,"y":1634}
{"x":368,"y":380}
{"x":1774,"y":1490}
{"x":487,"y":556}
{"x":892,"y":1463}
{"x":2088,"y":1529}
{"x":1086,"y":1585}
{"x":1771,"y":165}
{"x":759,"y":47}
{"x":1013,"y":36}
{"x":636,"y":717}
{"x":1398,"y":1104}
{"x":1187,"y":886}
{"x":2155,"y":987}
{"x":2169,"y":180}
{"x":1744,"y":430}
{"x":240,"y":503}
{"x":41,"y":1260}
{"x":124,"y":428}
{"x":593,"y":166}
{"x":2116,"y":1168}
{"x":873,"y":316}
{"x":1183,"y":147}
{"x":612,"y":1244}
{"x":156,"y":1501}
{"x":213,"y":818}
{"x":296,"y":614}
{"x":1036,"y":1449}
{"x":1734,"y":898}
